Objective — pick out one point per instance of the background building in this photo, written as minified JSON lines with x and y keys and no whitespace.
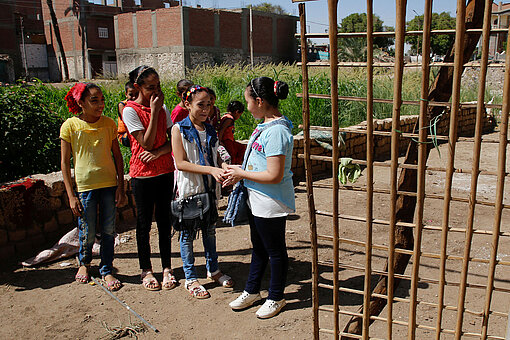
{"x":176,"y":38}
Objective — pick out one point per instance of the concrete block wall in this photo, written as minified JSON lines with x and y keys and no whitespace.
{"x":355,"y":143}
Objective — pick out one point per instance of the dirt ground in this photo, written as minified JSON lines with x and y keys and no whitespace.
{"x":45,"y":302}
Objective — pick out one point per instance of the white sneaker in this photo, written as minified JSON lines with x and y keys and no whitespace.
{"x":245,"y":300}
{"x":270,"y":308}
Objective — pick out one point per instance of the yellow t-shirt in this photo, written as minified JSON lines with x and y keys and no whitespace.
{"x":91,"y":145}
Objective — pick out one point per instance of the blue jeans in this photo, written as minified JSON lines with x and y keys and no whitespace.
{"x":188,"y":258}
{"x":96,"y":201}
{"x":268,"y":240}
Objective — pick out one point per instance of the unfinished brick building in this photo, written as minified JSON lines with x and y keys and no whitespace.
{"x":176,"y":38}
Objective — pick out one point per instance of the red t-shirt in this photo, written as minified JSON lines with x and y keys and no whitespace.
{"x":178,"y":114}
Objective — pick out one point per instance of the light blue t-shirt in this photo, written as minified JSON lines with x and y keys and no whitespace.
{"x":273,"y":141}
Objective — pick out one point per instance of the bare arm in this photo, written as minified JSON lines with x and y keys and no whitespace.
{"x":272,"y":175}
{"x":65,"y":165}
{"x":183,"y":164}
{"x":148,"y":156}
{"x":120,"y":196}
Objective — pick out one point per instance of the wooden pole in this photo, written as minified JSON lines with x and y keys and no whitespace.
{"x":369,"y":171}
{"x":333,"y":55}
{"x":395,"y":152}
{"x":422,"y":160}
{"x":503,"y":143}
{"x":309,"y":175}
{"x":251,"y":36}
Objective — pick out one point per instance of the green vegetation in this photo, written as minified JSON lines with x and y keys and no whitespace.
{"x":439,"y":44}
{"x":31,"y":115}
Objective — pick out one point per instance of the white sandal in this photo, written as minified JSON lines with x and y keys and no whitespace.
{"x":224,"y":280}
{"x":198,"y":292}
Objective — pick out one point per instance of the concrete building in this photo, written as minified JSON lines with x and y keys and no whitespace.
{"x":22,"y":44}
{"x":87,"y":35}
{"x":500,"y":19}
{"x":174,"y":39}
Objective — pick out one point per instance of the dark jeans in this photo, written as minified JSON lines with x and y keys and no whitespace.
{"x":268,"y":240}
{"x":153,"y":194}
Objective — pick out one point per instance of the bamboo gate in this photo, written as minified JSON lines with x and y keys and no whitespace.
{"x":471,"y":291}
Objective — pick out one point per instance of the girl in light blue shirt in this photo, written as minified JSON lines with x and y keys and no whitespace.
{"x":270,"y":194}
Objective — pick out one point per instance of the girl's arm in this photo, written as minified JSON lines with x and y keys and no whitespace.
{"x":182,"y":163}
{"x":148,"y":156}
{"x":272,"y":175}
{"x":65,"y":165}
{"x":146,"y":138}
{"x":120,"y":196}
{"x":121,"y":108}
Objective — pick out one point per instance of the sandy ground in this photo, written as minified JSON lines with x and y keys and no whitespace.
{"x":46,"y":303}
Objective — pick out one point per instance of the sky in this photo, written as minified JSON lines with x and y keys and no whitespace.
{"x":317,"y":11}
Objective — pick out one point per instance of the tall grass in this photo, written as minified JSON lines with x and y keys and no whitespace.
{"x":229,"y":83}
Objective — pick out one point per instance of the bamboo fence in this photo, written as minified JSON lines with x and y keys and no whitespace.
{"x":457,"y":280}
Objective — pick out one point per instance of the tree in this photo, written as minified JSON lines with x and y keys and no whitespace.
{"x":354,"y":49}
{"x":439,"y":44}
{"x":267,"y":7}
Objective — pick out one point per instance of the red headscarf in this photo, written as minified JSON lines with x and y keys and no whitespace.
{"x":73,"y":96}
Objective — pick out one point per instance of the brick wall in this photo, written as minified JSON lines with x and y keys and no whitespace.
{"x":144,"y":28}
{"x":262,"y":34}
{"x":231,"y":30}
{"x":201,"y":27}
{"x":125,"y":31}
{"x":168,"y":22}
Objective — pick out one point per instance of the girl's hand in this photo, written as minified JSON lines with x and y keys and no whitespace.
{"x":156,"y":101}
{"x":147,"y":156}
{"x":75,"y":205}
{"x":234,"y":174}
{"x":120,"y":198}
{"x":218,"y":174}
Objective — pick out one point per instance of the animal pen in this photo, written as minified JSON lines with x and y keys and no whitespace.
{"x":446,"y":263}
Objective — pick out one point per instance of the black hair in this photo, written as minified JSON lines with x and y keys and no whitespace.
{"x":183,"y":85}
{"x":192,"y":90}
{"x":211,"y":92}
{"x":129,"y":85}
{"x":268,"y":90}
{"x":138,"y":75}
{"x":89,"y":86}
{"x":235,"y":106}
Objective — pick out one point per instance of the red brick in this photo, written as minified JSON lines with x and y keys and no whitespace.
{"x":230,"y":30}
{"x":201,"y":23}
{"x":17,"y":235}
{"x":144,"y":28}
{"x":51,"y":225}
{"x":125,"y":26}
{"x":168,"y":23}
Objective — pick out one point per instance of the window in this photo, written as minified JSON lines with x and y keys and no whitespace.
{"x":103,"y":32}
